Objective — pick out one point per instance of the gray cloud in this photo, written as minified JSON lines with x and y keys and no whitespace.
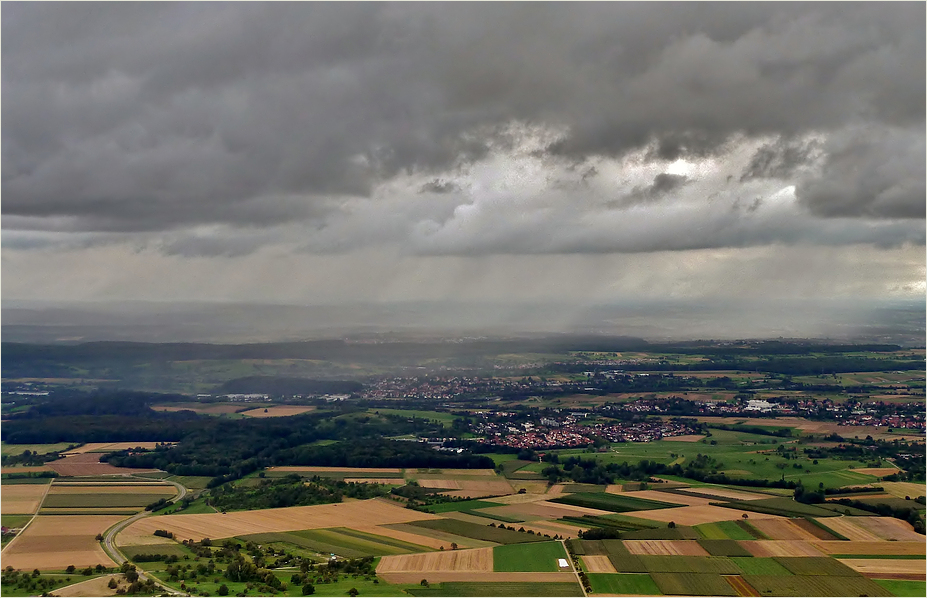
{"x":781,"y":159}
{"x":162,"y":117}
{"x":871,"y":173}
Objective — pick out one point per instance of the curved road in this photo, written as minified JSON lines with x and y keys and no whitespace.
{"x":113,"y":551}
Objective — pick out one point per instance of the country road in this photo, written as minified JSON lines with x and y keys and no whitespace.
{"x":109,"y":544}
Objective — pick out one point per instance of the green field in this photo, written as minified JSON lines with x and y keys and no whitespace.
{"x":900,"y":587}
{"x":815,"y":566}
{"x":539,"y":556}
{"x":723,"y":530}
{"x":724,"y":548}
{"x":760,"y":566}
{"x":10,"y":450}
{"x":8,"y":480}
{"x":612,"y":502}
{"x":446,"y":419}
{"x":464,"y":505}
{"x":190,"y":482}
{"x":478,"y":532}
{"x":73,"y":501}
{"x":623,"y":583}
{"x":689,"y":564}
{"x":15,"y":521}
{"x":476,"y":588}
{"x":785,"y":507}
{"x":693,"y":584}
{"x":340,"y":541}
{"x":815,"y":585}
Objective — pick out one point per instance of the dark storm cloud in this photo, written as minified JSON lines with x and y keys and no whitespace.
{"x":877,"y":174}
{"x":151,"y":117}
{"x":663,"y":184}
{"x":780,"y":160}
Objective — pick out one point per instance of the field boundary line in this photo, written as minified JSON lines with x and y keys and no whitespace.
{"x":34,"y":515}
{"x":573,"y":568}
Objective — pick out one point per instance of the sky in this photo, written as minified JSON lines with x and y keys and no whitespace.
{"x":332,"y":153}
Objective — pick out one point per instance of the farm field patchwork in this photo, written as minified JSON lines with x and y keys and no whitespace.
{"x":781,"y":548}
{"x":612,"y":502}
{"x":478,"y":532}
{"x":623,"y":583}
{"x":53,"y":542}
{"x":502,"y":588}
{"x":665,"y":547}
{"x":278,"y":411}
{"x":218,"y":525}
{"x":693,"y":584}
{"x":540,"y":556}
{"x":867,"y":548}
{"x":814,"y":585}
{"x":723,"y":530}
{"x":595,"y":563}
{"x":917,"y":569}
{"x":21,"y":499}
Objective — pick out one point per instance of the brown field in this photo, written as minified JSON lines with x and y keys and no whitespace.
{"x":21,"y":499}
{"x":98,"y":586}
{"x":487,"y":576}
{"x":904,"y":566}
{"x":388,"y":481}
{"x":204,"y":408}
{"x":543,"y":510}
{"x":877,"y":471}
{"x":26,"y":469}
{"x":782,"y":529}
{"x":164,"y":489}
{"x":310,"y":469}
{"x":888,"y":528}
{"x":468,"y":517}
{"x":687,"y":438}
{"x":89,"y":464}
{"x":844,"y":547}
{"x":697,"y":515}
{"x":811,"y":427}
{"x":811,"y":528}
{"x":87,"y":510}
{"x":845,"y":526}
{"x":497,"y":486}
{"x":278,"y":411}
{"x":727,"y":493}
{"x":741,"y":586}
{"x":476,"y":559}
{"x":902,"y":489}
{"x":97,"y":447}
{"x":665,"y":547}
{"x":56,"y":542}
{"x":413,"y":473}
{"x":556,"y":489}
{"x":444,"y":537}
{"x":553,"y":528}
{"x":690,"y":501}
{"x":362,"y":513}
{"x":779,"y":548}
{"x":401,"y":535}
{"x":598,"y":564}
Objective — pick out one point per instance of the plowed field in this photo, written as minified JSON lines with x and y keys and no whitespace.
{"x":89,"y":464}
{"x":596,"y":563}
{"x":21,"y":499}
{"x":897,"y":566}
{"x":665,"y":547}
{"x":782,"y":529}
{"x":888,"y":528}
{"x":697,"y":515}
{"x":498,"y":486}
{"x":766,"y":548}
{"x":843,"y":547}
{"x":476,"y":559}
{"x":216,"y":525}
{"x":54,"y":542}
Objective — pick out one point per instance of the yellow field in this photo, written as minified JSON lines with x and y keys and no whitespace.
{"x":844,"y":547}
{"x":697,"y":515}
{"x":21,"y":499}
{"x":906,"y":566}
{"x":54,"y":542}
{"x":598,"y":564}
{"x":665,"y":547}
{"x":766,"y":548}
{"x":278,"y":411}
{"x":476,"y":559}
{"x":903,"y":489}
{"x":497,"y":486}
{"x":217,"y":525}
